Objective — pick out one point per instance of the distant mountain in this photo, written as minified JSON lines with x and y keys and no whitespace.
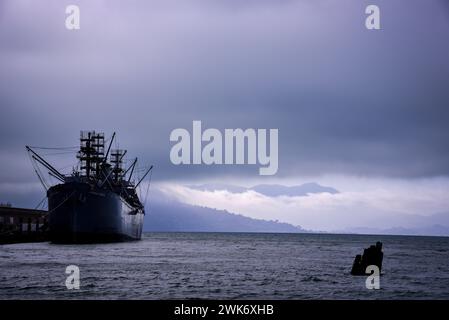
{"x":166,"y":215}
{"x":270,"y":190}
{"x":430,"y":230}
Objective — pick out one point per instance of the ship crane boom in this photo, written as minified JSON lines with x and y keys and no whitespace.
{"x":131,"y":167}
{"x":39,"y":159}
{"x":148,"y":171}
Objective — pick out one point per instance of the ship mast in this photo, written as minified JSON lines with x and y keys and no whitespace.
{"x":117,"y":162}
{"x":91,"y":154}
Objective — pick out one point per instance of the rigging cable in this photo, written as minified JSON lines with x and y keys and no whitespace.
{"x":40,"y":203}
{"x":148,"y":186}
{"x":55,"y":148}
{"x":38,"y":172}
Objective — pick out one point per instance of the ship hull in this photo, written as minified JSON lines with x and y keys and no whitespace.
{"x":80,"y":214}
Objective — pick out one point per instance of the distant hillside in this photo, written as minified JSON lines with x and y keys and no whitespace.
{"x":167,"y":215}
{"x":270,"y":190}
{"x":409,"y":224}
{"x":430,"y":230}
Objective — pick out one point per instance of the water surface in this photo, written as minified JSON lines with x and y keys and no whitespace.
{"x":226,"y":266}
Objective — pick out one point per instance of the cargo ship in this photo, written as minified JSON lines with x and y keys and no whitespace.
{"x":98,"y":201}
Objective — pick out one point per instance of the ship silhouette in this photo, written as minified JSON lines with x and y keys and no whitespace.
{"x":98,"y":201}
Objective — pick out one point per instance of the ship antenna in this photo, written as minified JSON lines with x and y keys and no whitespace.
{"x":109,"y":148}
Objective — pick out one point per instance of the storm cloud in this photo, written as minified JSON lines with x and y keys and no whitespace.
{"x":346,"y":100}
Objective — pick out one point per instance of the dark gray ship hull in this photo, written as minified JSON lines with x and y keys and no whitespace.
{"x":80,"y":214}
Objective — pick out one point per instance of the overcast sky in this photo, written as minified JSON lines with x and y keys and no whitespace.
{"x":348,"y":102}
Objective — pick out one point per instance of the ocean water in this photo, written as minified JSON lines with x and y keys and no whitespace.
{"x":226,"y":266}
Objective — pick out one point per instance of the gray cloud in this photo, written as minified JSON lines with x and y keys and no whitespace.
{"x":346,"y":100}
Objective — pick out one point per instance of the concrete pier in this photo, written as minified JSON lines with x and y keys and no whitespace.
{"x":22,"y":225}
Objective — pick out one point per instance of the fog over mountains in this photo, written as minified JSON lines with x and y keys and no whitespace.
{"x":168,"y":214}
{"x":270,"y":190}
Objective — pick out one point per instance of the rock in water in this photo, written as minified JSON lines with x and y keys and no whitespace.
{"x":371,"y":256}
